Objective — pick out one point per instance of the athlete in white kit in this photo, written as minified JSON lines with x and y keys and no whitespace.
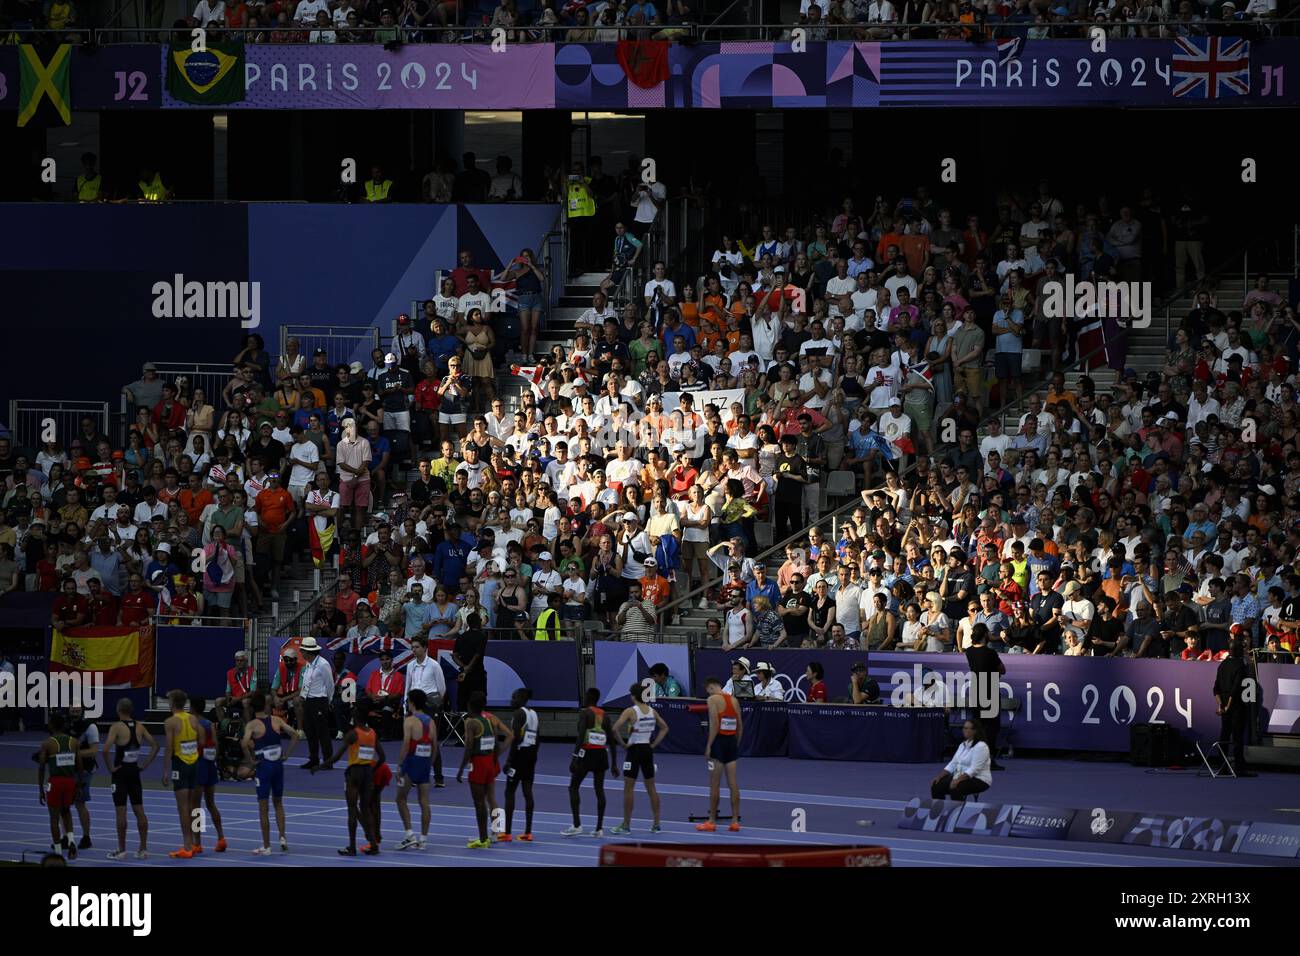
{"x":521,"y":764}
{"x":644,"y":721}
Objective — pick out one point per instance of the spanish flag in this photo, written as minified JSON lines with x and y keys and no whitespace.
{"x":123,"y":655}
{"x":208,"y":77}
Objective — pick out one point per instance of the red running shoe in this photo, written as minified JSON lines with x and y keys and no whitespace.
{"x":706,"y":827}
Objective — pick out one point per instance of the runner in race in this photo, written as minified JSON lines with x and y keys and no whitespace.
{"x":125,"y":739}
{"x":206,"y":774}
{"x":58,"y":757}
{"x":595,"y":754}
{"x":482,"y":731}
{"x":415,"y":760}
{"x":182,"y":734}
{"x":363,"y":749}
{"x":263,"y":742}
{"x":722,"y":750}
{"x":521,"y":764}
{"x":648,"y":731}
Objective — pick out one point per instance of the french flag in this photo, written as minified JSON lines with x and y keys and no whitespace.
{"x":1009,"y":50}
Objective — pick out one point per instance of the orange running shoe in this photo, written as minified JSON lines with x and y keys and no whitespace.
{"x":706,"y":827}
{"x":181,"y":854}
{"x":221,"y":845}
{"x":734,"y":828}
{"x":505,"y":838}
{"x":197,"y":849}
{"x":527,"y":837}
{"x":366,"y":848}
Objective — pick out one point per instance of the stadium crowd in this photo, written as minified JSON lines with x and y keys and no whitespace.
{"x":576,"y":21}
{"x":643,"y":462}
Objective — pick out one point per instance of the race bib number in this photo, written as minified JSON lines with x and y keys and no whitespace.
{"x":270,"y":754}
{"x":176,"y":775}
{"x":627,"y":766}
{"x":727,"y":723}
{"x":596,"y":738}
{"x":365,"y":753}
{"x":210,"y":753}
{"x":112,"y":788}
{"x":189,"y":748}
{"x":424,"y":750}
{"x":65,"y":760}
{"x":130,"y":756}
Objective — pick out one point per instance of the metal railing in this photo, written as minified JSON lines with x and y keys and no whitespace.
{"x":343,"y":344}
{"x":31,"y":420}
{"x":481,"y":31}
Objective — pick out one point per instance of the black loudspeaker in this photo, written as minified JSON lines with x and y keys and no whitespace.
{"x":1155,"y":745}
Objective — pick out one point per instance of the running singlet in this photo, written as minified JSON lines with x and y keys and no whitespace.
{"x":644,"y":728}
{"x":185,"y":747}
{"x":727,"y":720}
{"x":529,"y":736}
{"x":424,"y":745}
{"x":363,"y":751}
{"x":64,"y":762}
{"x":487,"y":739}
{"x":127,"y":754}
{"x":595,"y":737}
{"x":267,"y":746}
{"x":209,"y":740}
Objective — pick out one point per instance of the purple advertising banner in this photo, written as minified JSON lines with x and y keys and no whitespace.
{"x":1280,"y":684}
{"x":1066,"y":703}
{"x":368,"y":77}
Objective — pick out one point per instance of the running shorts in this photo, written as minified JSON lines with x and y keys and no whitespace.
{"x":640,"y":759}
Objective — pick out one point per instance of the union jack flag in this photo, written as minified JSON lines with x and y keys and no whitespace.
{"x":1208,"y":68}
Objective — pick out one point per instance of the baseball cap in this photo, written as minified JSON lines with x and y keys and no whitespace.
{"x":403,"y":319}
{"x":356,"y":368}
{"x":390,"y":359}
{"x":150,"y":367}
{"x":320,"y":351}
{"x":544,"y":556}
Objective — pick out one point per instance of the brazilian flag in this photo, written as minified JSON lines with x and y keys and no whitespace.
{"x":207,"y":77}
{"x":39,"y":81}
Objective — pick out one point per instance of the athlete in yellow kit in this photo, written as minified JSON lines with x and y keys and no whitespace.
{"x":183,"y":747}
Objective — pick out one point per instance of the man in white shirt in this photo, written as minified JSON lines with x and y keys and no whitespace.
{"x":1201,"y":405}
{"x":996,"y":440}
{"x":882,"y":380}
{"x":1046,"y":424}
{"x":865,"y":297}
{"x":745,"y":442}
{"x":316,"y":680}
{"x":819,"y":347}
{"x":893,"y":424}
{"x":838,"y":286}
{"x":659,"y":289}
{"x":593,"y":319}
{"x":899,"y":279}
{"x":741,"y":356}
{"x":728,"y":253}
{"x":634,"y":547}
{"x":545,"y":582}
{"x":303,"y":456}
{"x":814,"y":383}
{"x":765,"y":688}
{"x":341,"y":16}
{"x":1013,"y":260}
{"x":420,"y":576}
{"x":306,"y":10}
{"x":474,"y":297}
{"x":215,"y":12}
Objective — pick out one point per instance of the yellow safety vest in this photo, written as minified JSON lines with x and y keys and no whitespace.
{"x":547,"y":621}
{"x":581,"y":201}
{"x":377,"y":191}
{"x":154,"y":191}
{"x":88,"y":189}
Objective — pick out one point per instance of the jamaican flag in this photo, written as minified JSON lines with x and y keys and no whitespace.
{"x":39,"y":80}
{"x":207,"y":77}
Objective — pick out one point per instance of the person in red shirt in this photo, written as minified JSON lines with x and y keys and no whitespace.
{"x":169,"y":413}
{"x":194,"y":499}
{"x":70,"y":609}
{"x":386,"y":686}
{"x":185,"y":603}
{"x":102,"y":605}
{"x":460,"y":275}
{"x":814,"y":673}
{"x":1010,"y":595}
{"x":137,"y":603}
{"x":654,"y":586}
{"x":275,"y":508}
{"x":1194,"y":651}
{"x":345,"y":599}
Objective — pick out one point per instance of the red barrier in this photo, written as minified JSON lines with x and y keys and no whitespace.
{"x":694,"y":854}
